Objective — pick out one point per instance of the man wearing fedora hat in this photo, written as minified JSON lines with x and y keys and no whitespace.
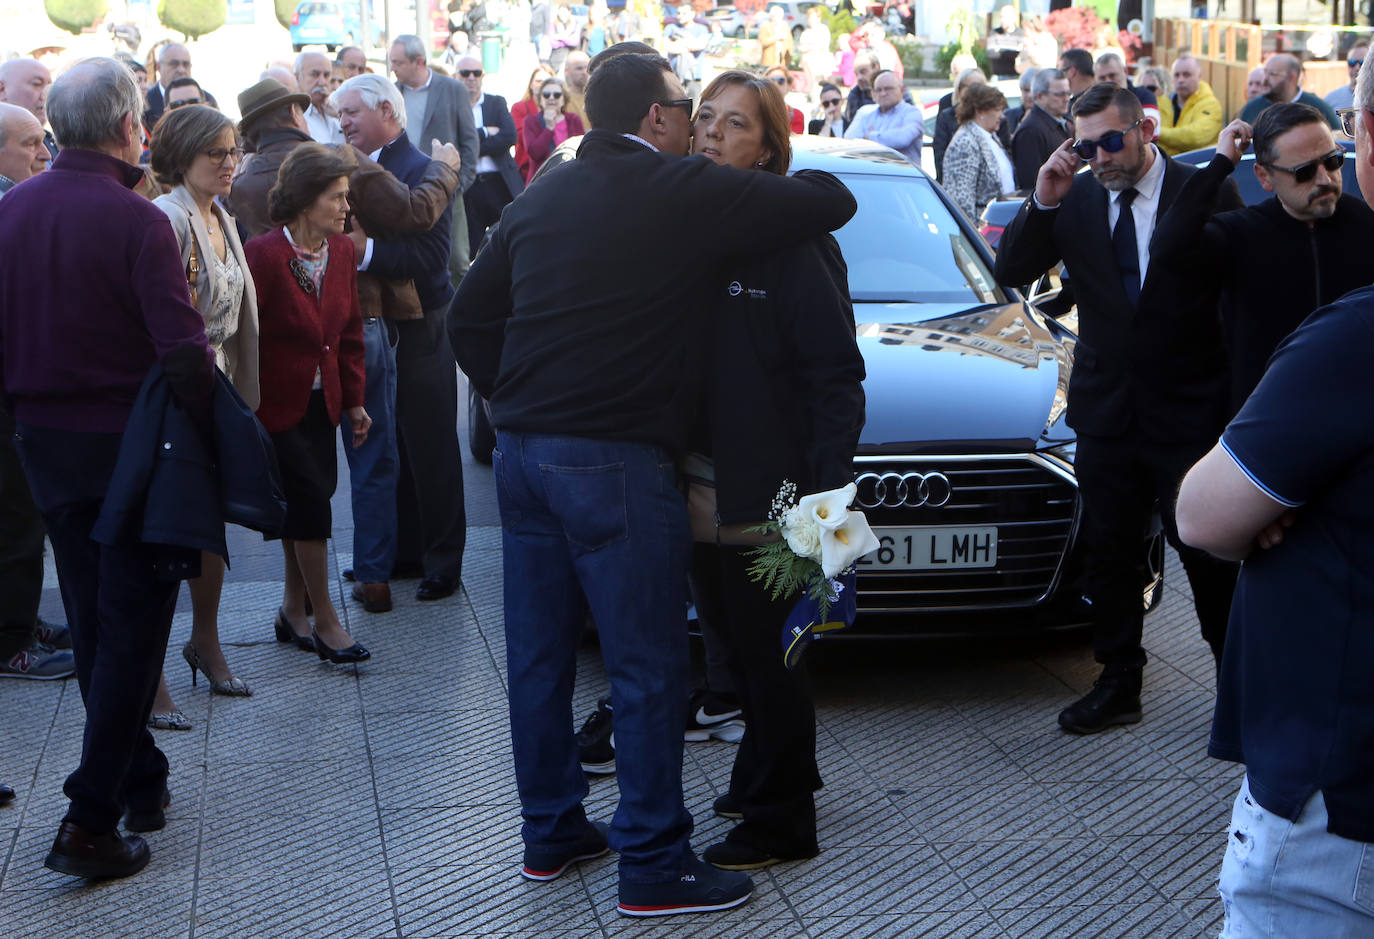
{"x":273,"y":125}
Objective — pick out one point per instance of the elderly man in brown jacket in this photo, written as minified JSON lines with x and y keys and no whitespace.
{"x":383,"y":206}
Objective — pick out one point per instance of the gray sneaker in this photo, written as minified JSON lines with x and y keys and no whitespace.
{"x":41,"y":662}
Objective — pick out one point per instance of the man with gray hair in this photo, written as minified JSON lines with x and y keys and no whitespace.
{"x":1111,"y":68}
{"x":438,"y":108}
{"x":22,"y":153}
{"x":1044,"y":127}
{"x":1286,"y":489}
{"x":431,"y":518}
{"x":72,"y":379}
{"x":313,"y":70}
{"x":173,"y":62}
{"x":1284,"y":72}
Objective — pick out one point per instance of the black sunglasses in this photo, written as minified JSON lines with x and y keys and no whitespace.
{"x":1152,"y":89}
{"x":1354,"y":63}
{"x":470,"y":72}
{"x":781,"y":79}
{"x":551,"y":95}
{"x":1112,"y":143}
{"x":183,"y":102}
{"x":1306,"y":172}
{"x":829,"y":102}
{"x":684,"y":103}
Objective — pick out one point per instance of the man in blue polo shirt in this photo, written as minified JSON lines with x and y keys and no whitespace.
{"x":1287,"y":490}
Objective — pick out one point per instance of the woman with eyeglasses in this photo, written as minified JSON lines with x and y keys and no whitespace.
{"x":549,"y":126}
{"x":784,"y":401}
{"x":522,"y":109}
{"x":312,"y":370}
{"x":194,"y":150}
{"x":977,"y":166}
{"x":829,"y":121}
{"x":780,"y":76}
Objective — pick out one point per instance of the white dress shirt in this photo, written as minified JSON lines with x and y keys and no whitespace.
{"x":321,"y":127}
{"x":485,"y":164}
{"x":1145,"y":209}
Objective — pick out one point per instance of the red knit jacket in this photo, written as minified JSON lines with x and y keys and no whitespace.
{"x":300,"y":332}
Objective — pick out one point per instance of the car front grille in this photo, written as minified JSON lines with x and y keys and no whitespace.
{"x":1032,"y":501}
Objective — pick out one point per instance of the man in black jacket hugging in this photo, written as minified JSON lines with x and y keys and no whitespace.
{"x":581,"y":324}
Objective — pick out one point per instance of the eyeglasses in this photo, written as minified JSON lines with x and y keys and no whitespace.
{"x":1348,"y":118}
{"x":830,"y":102}
{"x":1354,"y":63}
{"x":1112,"y":143}
{"x":550,"y":95}
{"x":220,"y":155}
{"x":1306,"y":172}
{"x":183,"y":102}
{"x":470,"y":72}
{"x":684,"y":103}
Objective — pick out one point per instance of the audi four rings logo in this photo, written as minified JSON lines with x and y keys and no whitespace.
{"x":897,"y":489}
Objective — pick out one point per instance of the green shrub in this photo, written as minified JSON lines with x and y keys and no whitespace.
{"x":839,"y":22}
{"x":947,"y":52}
{"x":285,"y":10}
{"x":75,"y":15}
{"x":909,"y":48}
{"x":192,"y":18}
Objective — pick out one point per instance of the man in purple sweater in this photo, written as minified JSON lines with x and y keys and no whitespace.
{"x":92,"y":295}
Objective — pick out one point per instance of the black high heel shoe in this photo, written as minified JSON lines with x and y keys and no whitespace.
{"x":287,"y":635}
{"x":354,"y":653}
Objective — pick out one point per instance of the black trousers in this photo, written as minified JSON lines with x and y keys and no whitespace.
{"x":430,"y":514}
{"x":483,"y":204}
{"x":1120,"y":478}
{"x":119,"y":615}
{"x":21,"y":550}
{"x":775,"y":775}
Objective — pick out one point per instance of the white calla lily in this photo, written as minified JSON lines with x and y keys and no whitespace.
{"x":828,"y":509}
{"x":844,"y":545}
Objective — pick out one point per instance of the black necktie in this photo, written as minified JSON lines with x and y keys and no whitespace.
{"x":1124,"y":246}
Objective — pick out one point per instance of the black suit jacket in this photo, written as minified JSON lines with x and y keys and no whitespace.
{"x":1035,"y":139}
{"x":154,"y":105}
{"x":421,"y":257}
{"x":1158,"y":370}
{"x":496,"y":114}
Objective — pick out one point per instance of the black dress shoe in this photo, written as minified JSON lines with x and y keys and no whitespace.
{"x":149,"y":819}
{"x":354,"y":653}
{"x":1114,"y":700}
{"x":6,"y":794}
{"x":736,"y":856}
{"x":81,"y":853}
{"x":436,"y":588}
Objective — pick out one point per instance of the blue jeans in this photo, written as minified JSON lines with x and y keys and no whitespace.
{"x":1282,"y":878}
{"x":374,"y":467}
{"x":601,"y":520}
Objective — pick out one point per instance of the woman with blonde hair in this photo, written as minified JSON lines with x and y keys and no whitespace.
{"x":194,"y":149}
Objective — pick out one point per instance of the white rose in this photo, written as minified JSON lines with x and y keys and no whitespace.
{"x":803,"y":537}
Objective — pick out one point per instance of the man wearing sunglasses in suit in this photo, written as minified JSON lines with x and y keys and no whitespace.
{"x":1147,"y":396}
{"x":1277,"y":261}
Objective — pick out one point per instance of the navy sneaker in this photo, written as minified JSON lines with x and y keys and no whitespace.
{"x":701,"y":889}
{"x":550,"y":864}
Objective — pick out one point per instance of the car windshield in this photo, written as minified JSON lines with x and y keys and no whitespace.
{"x":904,"y":246}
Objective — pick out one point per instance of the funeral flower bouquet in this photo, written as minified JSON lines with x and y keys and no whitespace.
{"x":821,"y":538}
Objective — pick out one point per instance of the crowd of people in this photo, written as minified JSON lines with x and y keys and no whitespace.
{"x":312,"y":276}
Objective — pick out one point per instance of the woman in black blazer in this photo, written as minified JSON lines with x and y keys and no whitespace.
{"x":784,"y":348}
{"x":831,"y":122}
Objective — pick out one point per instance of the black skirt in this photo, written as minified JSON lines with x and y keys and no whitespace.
{"x":309,"y":466}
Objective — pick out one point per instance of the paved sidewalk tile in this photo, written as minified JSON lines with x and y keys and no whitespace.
{"x":379,"y":800}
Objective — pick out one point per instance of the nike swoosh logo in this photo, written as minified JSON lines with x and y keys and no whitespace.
{"x":704,"y":718}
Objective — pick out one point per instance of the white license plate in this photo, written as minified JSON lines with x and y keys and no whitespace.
{"x":932,"y":548}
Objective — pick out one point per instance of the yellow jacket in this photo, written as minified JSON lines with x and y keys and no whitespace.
{"x":1198,"y":125}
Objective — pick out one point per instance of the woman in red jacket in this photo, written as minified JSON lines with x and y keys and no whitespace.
{"x":550,"y":125}
{"x":522,"y":109}
{"x":311,"y":372}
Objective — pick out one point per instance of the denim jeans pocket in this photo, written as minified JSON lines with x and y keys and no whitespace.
{"x":1364,"y":880}
{"x":590,"y":502}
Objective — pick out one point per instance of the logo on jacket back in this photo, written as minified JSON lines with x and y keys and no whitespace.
{"x":753,"y":293}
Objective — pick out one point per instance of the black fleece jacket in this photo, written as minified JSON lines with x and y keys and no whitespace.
{"x":1273,"y":269}
{"x":785,"y":397}
{"x":586,"y":313}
